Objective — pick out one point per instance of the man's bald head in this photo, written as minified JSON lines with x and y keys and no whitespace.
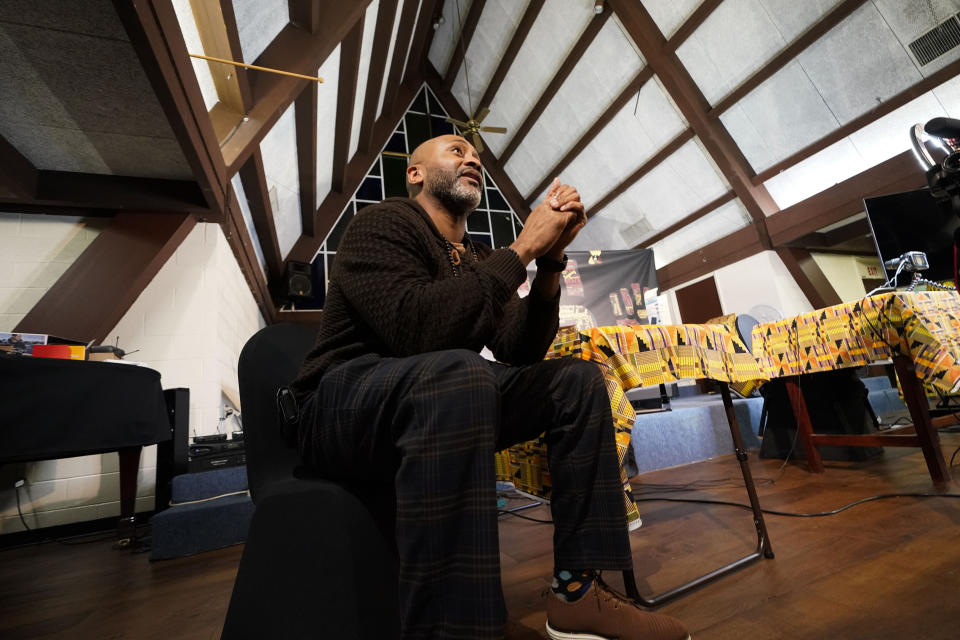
{"x":433,"y":153}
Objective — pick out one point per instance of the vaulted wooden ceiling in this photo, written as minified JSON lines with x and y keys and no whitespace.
{"x":708,"y":130}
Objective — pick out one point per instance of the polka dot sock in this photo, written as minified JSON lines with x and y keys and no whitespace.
{"x":571,"y":585}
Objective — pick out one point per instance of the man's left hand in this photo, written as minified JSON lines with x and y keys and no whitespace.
{"x":563,"y":198}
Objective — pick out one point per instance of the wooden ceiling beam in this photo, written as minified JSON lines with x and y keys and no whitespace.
{"x":809,"y":276}
{"x":693,"y":105}
{"x":469,"y":26}
{"x":334,"y":203}
{"x":241,"y":244}
{"x":692,"y":23}
{"x":306,"y":14}
{"x":217,"y":26}
{"x":346,"y":97}
{"x":506,"y":61}
{"x":795,"y":48}
{"x":115,"y":193}
{"x":819,"y":240}
{"x":18,"y":176}
{"x":405,"y":36}
{"x":422,"y":39}
{"x":386,"y":15}
{"x":155,"y":34}
{"x":619,"y":102}
{"x":576,"y":53}
{"x":683,"y":222}
{"x":490,"y":163}
{"x":900,"y":173}
{"x":254,"y":181}
{"x":665,"y":152}
{"x":923,"y":86}
{"x":98,"y":288}
{"x":294,"y":49}
{"x":305,"y":116}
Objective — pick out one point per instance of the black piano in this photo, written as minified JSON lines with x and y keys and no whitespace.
{"x":51,"y":408}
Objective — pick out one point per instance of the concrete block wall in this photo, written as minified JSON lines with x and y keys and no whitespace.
{"x":34,"y":252}
{"x":189,"y":324}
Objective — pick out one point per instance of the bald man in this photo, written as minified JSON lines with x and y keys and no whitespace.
{"x":395,"y":390}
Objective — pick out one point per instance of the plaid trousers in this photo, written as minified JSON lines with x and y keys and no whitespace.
{"x":430,"y":425}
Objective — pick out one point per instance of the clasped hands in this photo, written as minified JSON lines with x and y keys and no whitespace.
{"x":552,"y":225}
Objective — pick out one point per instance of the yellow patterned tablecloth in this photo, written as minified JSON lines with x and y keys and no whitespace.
{"x":631,"y":357}
{"x":922,"y":325}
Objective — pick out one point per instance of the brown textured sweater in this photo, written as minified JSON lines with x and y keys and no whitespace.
{"x":393,"y":291}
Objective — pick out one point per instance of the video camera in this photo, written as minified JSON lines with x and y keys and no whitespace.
{"x":937,"y":147}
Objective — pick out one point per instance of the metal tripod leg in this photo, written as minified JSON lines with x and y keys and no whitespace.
{"x":763,"y":548}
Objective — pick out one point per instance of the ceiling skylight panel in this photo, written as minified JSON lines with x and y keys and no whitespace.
{"x":326,"y":121}
{"x":629,"y":140}
{"x":537,"y":61}
{"x":416,"y":26}
{"x":792,"y":18}
{"x":279,"y":150}
{"x":733,"y":42}
{"x":675,"y":188}
{"x":607,"y":66}
{"x":858,"y":64}
{"x":191,"y":37}
{"x":871,"y":145}
{"x":671,"y":15}
{"x":248,"y":220}
{"x":258,"y":23}
{"x":495,"y":29}
{"x":366,"y":48}
{"x":396,"y":40}
{"x":447,"y":35}
{"x":949,"y":96}
{"x":778,"y":118}
{"x":714,"y":226}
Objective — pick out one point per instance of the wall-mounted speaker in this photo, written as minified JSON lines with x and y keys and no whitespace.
{"x":299,"y":283}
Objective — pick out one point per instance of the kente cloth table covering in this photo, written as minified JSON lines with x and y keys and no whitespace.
{"x":633,"y":356}
{"x":922,"y":325}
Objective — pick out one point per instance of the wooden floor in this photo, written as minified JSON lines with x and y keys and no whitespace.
{"x":884,"y":569}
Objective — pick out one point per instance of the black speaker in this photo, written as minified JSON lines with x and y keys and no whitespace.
{"x":172,"y":453}
{"x":298,"y":280}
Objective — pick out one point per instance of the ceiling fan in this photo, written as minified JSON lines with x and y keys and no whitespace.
{"x":472,"y":128}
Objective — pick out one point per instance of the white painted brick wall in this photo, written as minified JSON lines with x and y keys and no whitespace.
{"x":190,"y":324}
{"x":35,"y":250}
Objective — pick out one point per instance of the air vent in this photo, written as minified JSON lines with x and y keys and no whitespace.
{"x":937,"y":41}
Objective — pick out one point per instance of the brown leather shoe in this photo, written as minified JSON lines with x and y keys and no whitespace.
{"x":602,"y":614}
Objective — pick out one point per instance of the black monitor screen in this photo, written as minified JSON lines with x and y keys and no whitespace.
{"x":914,"y":221}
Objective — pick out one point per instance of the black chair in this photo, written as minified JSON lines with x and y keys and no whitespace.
{"x":320,"y":559}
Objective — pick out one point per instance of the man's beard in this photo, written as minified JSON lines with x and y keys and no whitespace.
{"x":456,"y":197}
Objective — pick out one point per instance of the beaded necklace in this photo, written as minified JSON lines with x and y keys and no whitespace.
{"x":454,"y":251}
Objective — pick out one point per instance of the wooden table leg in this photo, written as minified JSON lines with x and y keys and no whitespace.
{"x":129,"y":465}
{"x":804,"y":427}
{"x":916,"y":401}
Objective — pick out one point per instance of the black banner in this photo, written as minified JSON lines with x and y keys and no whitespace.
{"x":602,"y":288}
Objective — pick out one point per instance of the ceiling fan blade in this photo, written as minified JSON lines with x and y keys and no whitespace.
{"x":477,"y":143}
{"x":494,"y":129}
{"x":458,"y":122}
{"x":481,"y":115}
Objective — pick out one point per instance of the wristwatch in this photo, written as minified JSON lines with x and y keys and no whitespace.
{"x":551,"y":265}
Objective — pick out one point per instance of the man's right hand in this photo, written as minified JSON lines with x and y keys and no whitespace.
{"x":543,"y":227}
